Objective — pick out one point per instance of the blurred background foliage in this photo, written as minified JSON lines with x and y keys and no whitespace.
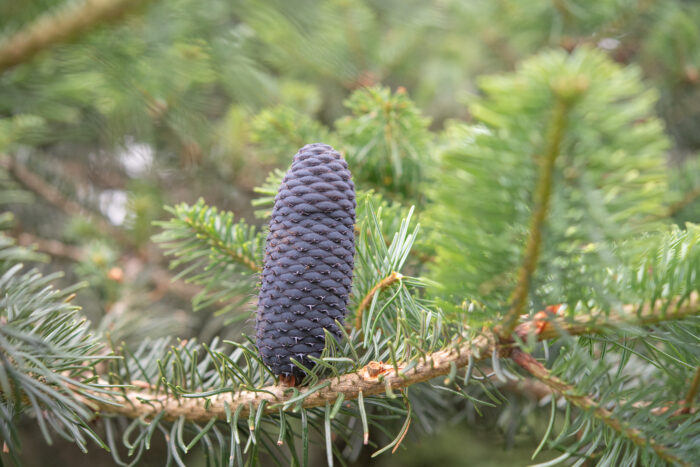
{"x":185,"y":99}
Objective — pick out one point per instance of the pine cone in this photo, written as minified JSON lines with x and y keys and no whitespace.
{"x":307,"y":272}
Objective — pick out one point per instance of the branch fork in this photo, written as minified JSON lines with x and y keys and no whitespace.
{"x":376,"y":377}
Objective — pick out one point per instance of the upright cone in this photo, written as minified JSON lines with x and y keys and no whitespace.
{"x":307,"y":272}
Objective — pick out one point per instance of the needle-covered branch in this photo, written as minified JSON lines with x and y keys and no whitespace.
{"x":584,"y":402}
{"x":375,"y":378}
{"x":692,"y":391}
{"x":62,"y":26}
{"x":539,"y":216}
{"x":367,"y":299}
{"x":214,"y":252}
{"x":54,"y":197}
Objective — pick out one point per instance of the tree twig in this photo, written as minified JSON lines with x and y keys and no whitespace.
{"x":381,"y":285}
{"x":62,"y":26}
{"x":692,"y":392}
{"x":235,"y":255}
{"x":51,"y":247}
{"x":54,"y":197}
{"x":544,"y":190}
{"x":584,"y":402}
{"x":372,"y":379}
{"x":689,"y":197}
{"x":597,"y":319}
{"x":376,"y":377}
{"x":161,"y":278}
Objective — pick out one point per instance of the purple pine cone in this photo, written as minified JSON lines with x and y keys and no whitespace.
{"x":307,"y":272}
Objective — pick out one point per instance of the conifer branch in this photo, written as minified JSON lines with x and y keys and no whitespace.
{"x":52,"y":28}
{"x":569,"y":392}
{"x":374,"y":378}
{"x":689,"y":198}
{"x":645,"y":315}
{"x":692,"y":392}
{"x":53,"y":196}
{"x":51,"y":247}
{"x":33,"y":182}
{"x":161,"y":278}
{"x":201,"y":231}
{"x":542,"y":196}
{"x":381,"y":285}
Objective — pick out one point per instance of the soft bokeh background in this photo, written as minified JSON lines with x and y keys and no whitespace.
{"x":184,"y":99}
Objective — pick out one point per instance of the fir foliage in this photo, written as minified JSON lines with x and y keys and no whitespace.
{"x":387,"y":140}
{"x":541,"y":240}
{"x":608,"y":178}
{"x":214,"y":252}
{"x":48,"y":356}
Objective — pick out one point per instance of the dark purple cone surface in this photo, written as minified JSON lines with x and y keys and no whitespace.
{"x":307,"y":272}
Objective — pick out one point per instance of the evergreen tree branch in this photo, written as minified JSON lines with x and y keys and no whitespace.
{"x":51,"y":247}
{"x":201,"y":230}
{"x":376,"y":377}
{"x":551,"y":327}
{"x":48,"y":355}
{"x":542,"y":197}
{"x":569,"y":392}
{"x":689,"y":198}
{"x":52,"y":28}
{"x":692,"y":392}
{"x":381,"y":285}
{"x":213,"y":252}
{"x":53,"y":196}
{"x":161,"y":278}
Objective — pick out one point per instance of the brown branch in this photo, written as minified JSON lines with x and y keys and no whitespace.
{"x":542,"y":197}
{"x":689,"y":197}
{"x":161,"y":278}
{"x":535,"y":390}
{"x":50,"y":194}
{"x":164,"y":282}
{"x":376,"y":377}
{"x":676,"y":207}
{"x":527,"y":387}
{"x":372,"y":379}
{"x":37,"y":185}
{"x":596,"y":320}
{"x":675,"y":407}
{"x":51,"y":247}
{"x":584,"y":402}
{"x":383,"y":284}
{"x":692,"y":392}
{"x":62,"y":26}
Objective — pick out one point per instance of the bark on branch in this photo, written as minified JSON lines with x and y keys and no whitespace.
{"x":53,"y":28}
{"x":381,"y":285}
{"x":53,"y":196}
{"x":543,"y":194}
{"x":162,"y":279}
{"x":585,"y":402}
{"x":376,"y":377}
